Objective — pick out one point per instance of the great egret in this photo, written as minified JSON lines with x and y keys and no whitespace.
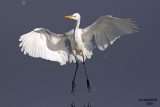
{"x":56,"y":47}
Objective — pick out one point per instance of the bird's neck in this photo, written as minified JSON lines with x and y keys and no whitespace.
{"x":76,"y":37}
{"x":77,"y":26}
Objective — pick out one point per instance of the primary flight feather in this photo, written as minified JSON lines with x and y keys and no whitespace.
{"x":55,"y":47}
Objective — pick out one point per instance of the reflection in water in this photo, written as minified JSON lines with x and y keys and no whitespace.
{"x":73,"y":105}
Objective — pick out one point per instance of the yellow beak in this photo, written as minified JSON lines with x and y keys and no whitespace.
{"x":69,"y":16}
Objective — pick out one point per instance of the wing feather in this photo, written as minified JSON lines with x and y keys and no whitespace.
{"x":44,"y":44}
{"x":107,"y":29}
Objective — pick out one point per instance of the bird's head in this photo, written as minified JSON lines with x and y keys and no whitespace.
{"x":75,"y":16}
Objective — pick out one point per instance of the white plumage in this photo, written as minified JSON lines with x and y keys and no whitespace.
{"x":65,"y":47}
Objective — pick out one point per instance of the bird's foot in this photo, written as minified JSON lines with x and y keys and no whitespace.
{"x":73,"y":87}
{"x":88,"y":86}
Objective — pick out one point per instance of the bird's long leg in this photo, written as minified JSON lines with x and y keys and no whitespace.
{"x":88,"y":84}
{"x":73,"y":81}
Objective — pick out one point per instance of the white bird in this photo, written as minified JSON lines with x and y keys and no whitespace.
{"x":75,"y":45}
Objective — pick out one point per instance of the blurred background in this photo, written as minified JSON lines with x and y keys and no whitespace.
{"x":121,"y":75}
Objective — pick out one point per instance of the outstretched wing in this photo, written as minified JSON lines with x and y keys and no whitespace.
{"x":107,"y":29}
{"x":44,"y":44}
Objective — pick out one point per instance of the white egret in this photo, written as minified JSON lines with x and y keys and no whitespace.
{"x":56,"y":47}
